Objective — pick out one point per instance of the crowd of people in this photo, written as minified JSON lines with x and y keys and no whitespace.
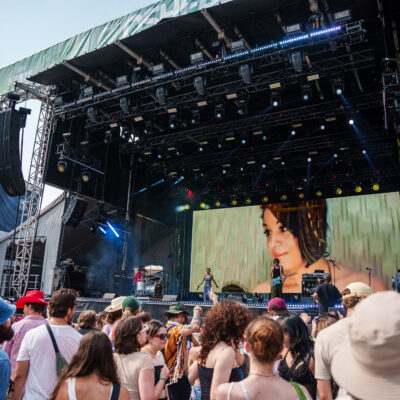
{"x":228,"y":353}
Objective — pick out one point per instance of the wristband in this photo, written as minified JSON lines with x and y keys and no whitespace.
{"x":162,"y":379}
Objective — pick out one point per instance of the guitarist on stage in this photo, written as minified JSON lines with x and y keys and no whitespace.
{"x":277,"y":272}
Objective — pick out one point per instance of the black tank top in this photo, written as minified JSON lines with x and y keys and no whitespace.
{"x":206,"y":375}
{"x":276,"y":272}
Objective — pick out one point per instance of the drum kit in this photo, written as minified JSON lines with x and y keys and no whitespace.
{"x":150,"y":286}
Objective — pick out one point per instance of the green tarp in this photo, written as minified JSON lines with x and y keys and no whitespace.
{"x":98,"y":37}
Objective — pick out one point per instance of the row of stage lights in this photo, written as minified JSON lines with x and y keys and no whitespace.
{"x":339,"y":191}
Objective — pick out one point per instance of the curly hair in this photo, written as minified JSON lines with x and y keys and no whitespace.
{"x":87,"y":319}
{"x":125,"y":341}
{"x":225,"y":322}
{"x":308,"y":223}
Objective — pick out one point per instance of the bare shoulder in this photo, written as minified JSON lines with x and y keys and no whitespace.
{"x":63,"y":391}
{"x":222,"y":391}
{"x":263,"y":287}
{"x":123,"y":394}
{"x":345,"y":276}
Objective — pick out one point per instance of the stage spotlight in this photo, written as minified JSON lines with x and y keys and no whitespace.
{"x":375,"y":187}
{"x":102,"y":230}
{"x":283,"y":163}
{"x":283,"y":197}
{"x":358,"y":189}
{"x":224,"y":171}
{"x":264,"y":166}
{"x":113,"y":230}
{"x":318,"y":193}
{"x":306,"y":93}
{"x":61,"y":166}
{"x":108,"y":137}
{"x":245,"y":73}
{"x":187,"y":206}
{"x":217,"y":204}
{"x":293,"y":132}
{"x":351,"y":122}
{"x":234,"y":202}
{"x":85,"y":176}
{"x":161,"y":95}
{"x":124,"y":104}
{"x":322,"y":127}
{"x":219,"y":111}
{"x":91,"y":114}
{"x":335,"y":155}
{"x":148,"y":127}
{"x":300,"y":195}
{"x":264,"y":138}
{"x":173,"y":121}
{"x":92,"y":228}
{"x":275,"y":99}
{"x":195,"y":120}
{"x":242,"y":107}
{"x":241,"y":169}
{"x":199,"y":85}
{"x":203,"y":205}
{"x":264,"y":199}
{"x":200,"y":149}
{"x":296,"y":59}
{"x":309,"y":159}
{"x":339,"y":191}
{"x":364,"y":152}
{"x":248,"y":200}
{"x":337,"y":86}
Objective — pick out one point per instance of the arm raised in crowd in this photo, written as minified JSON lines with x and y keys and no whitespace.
{"x":194,"y":326}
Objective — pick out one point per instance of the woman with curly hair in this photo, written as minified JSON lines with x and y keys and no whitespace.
{"x":224,"y":325}
{"x":264,"y":341}
{"x":91,"y":374}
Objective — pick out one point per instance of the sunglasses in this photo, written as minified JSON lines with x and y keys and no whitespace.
{"x":163,"y":336}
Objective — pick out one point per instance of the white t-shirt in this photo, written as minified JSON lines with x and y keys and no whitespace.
{"x":38,"y":349}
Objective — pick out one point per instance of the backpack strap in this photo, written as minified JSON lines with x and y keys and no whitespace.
{"x":53,"y":339}
{"x":301,"y":395}
{"x":116,"y":387}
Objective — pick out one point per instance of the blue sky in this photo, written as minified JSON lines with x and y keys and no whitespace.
{"x":29,"y":26}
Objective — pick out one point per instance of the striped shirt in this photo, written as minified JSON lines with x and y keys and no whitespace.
{"x":20,"y":329}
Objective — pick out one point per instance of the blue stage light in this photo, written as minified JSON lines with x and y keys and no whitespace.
{"x":101,"y":229}
{"x":113,"y":229}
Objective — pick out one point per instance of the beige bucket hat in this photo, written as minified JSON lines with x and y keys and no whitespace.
{"x":367,"y":363}
{"x":116,"y":304}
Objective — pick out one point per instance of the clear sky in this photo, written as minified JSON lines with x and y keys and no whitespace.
{"x":29,"y":26}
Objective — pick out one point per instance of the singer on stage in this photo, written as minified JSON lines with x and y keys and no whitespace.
{"x":277,"y":272}
{"x":208,"y":278}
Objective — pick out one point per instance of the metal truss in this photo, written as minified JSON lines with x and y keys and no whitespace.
{"x":26,"y":92}
{"x":33,"y":199}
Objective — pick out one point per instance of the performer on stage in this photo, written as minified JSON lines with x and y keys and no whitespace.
{"x":139,"y":277}
{"x":207,"y":279}
{"x":277,"y":272}
{"x":327,"y":295}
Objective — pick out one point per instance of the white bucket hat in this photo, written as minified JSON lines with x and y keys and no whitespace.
{"x":116,"y":304}
{"x":367,"y":363}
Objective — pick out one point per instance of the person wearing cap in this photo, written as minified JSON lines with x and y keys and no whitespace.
{"x":6,"y":333}
{"x":276,"y":308}
{"x":328,"y":339}
{"x":34,"y":307}
{"x":326,"y":294}
{"x":36,"y":368}
{"x":179,"y":333}
{"x":367,"y":362}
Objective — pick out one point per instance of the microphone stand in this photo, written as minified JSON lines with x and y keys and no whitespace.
{"x":369,"y":275}
{"x":334,"y":270}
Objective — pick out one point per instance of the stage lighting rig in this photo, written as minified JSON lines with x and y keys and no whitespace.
{"x":275,"y":99}
{"x":245,"y":72}
{"x":296,"y":59}
{"x":196,"y":58}
{"x":161,"y":94}
{"x":306,"y":93}
{"x":338,"y":86}
{"x":91,"y":114}
{"x":148,"y":127}
{"x":195,"y":120}
{"x":108,"y":137}
{"x":219,"y":111}
{"x":292,"y":30}
{"x":199,"y":85}
{"x":158,"y":69}
{"x":173,"y":121}
{"x":85,"y":92}
{"x":85,"y":176}
{"x":124,"y":104}
{"x":62,"y":166}
{"x":342,"y":16}
{"x":241,"y":107}
{"x":238,"y":46}
{"x":122,"y":80}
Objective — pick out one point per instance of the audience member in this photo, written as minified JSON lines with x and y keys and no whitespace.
{"x":101,"y":320}
{"x":224,"y":326}
{"x":196,"y":388}
{"x":157,"y":336}
{"x":145,"y":317}
{"x":114,"y":311}
{"x":136,"y":368}
{"x":131,"y":307}
{"x":367,"y":360}
{"x":264,"y":341}
{"x":297,"y":364}
{"x":34,"y":307}
{"x":179,"y":332}
{"x":326,"y":294}
{"x":91,"y":374}
{"x":36,"y":367}
{"x":86,"y":321}
{"x":276,"y":308}
{"x":6,"y":333}
{"x":329,"y":339}
{"x":322,"y":321}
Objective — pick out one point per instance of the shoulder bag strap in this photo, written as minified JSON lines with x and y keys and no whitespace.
{"x":53,"y":339}
{"x":301,"y":395}
{"x":115,"y":391}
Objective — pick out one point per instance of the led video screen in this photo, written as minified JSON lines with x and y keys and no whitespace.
{"x":352,"y":238}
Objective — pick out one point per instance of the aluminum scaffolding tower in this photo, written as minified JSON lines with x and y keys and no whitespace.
{"x":33,"y":197}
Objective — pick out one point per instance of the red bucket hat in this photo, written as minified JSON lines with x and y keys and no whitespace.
{"x":32,"y":296}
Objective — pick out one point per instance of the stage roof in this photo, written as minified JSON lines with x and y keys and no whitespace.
{"x":95,"y":39}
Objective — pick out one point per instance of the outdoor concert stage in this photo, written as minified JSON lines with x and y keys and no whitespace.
{"x":157,"y":308}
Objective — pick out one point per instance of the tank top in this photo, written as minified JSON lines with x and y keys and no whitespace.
{"x":71,"y":389}
{"x":207,"y":281}
{"x":206,"y":375}
{"x":276,"y":272}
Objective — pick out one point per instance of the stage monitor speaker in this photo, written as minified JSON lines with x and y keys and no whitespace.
{"x":169,"y":297}
{"x":109,"y":296}
{"x":74,"y":211}
{"x":11,"y":177}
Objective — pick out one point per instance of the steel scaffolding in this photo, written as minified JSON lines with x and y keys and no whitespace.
{"x":33,"y":199}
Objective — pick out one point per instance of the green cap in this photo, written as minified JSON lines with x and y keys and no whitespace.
{"x":177,"y":309}
{"x":131,"y":302}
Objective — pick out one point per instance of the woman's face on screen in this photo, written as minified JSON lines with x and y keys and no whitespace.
{"x":281,"y":243}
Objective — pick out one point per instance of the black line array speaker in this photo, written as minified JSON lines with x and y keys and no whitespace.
{"x":11,"y":178}
{"x":74,"y":211}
